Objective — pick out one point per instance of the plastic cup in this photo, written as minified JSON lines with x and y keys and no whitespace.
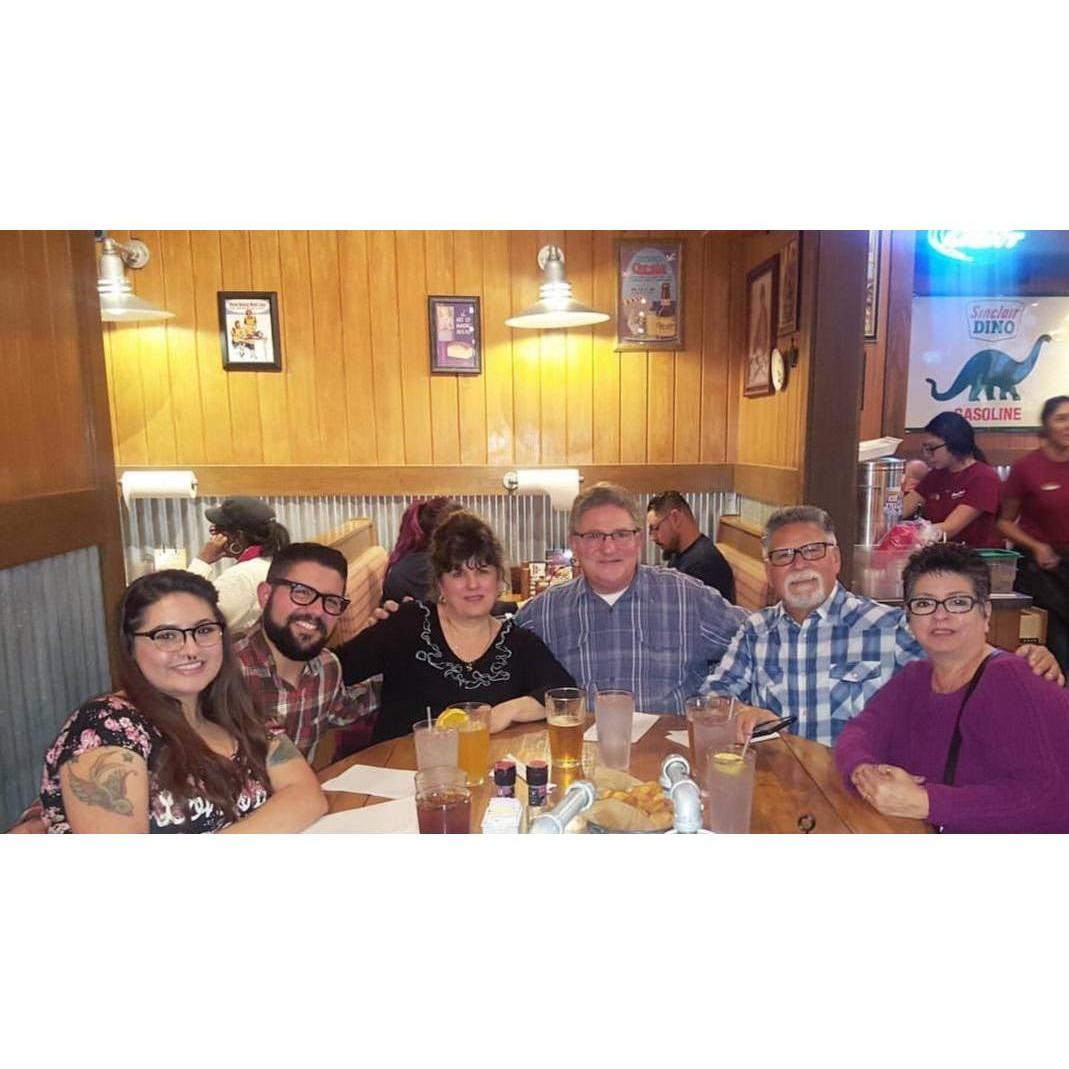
{"x":435,"y":746}
{"x":443,"y":802}
{"x":565,"y":722}
{"x":709,"y":724}
{"x":614,"y":711}
{"x":729,"y":787}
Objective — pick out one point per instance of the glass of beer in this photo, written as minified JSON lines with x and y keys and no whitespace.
{"x":565,"y":719}
{"x":473,"y":741}
{"x":443,"y":802}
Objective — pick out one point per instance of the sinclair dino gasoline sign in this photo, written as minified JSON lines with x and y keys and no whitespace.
{"x":993,"y":360}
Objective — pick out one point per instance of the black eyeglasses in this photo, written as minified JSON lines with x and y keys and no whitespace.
{"x":928,"y":450}
{"x":956,"y":603}
{"x":810,"y":551}
{"x":300,"y":594}
{"x":599,"y":538}
{"x":172,"y":639}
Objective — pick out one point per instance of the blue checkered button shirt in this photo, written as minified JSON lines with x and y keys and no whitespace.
{"x":822,"y":670}
{"x":658,"y":640}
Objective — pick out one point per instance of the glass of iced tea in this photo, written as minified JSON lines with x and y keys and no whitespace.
{"x":565,"y":720}
{"x":709,"y":723}
{"x":443,"y":802}
{"x":473,"y":741}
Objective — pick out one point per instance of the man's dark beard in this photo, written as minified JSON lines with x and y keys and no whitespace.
{"x":284,"y":640}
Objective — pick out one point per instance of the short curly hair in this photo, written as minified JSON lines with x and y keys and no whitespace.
{"x":948,"y":557}
{"x":462,"y":537}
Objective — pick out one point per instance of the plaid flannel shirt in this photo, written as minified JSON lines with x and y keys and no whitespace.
{"x":657,"y":640}
{"x":822,"y":670}
{"x":319,"y":700}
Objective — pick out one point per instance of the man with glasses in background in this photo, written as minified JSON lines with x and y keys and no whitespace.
{"x":627,"y":625}
{"x":821,"y":652}
{"x":295,"y":679}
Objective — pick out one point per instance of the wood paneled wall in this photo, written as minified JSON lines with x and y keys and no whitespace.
{"x":356,"y":389}
{"x":57,"y":476}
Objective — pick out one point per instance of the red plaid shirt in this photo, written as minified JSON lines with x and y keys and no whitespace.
{"x":319,"y":700}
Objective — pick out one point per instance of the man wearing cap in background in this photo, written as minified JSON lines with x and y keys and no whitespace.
{"x":245,"y":529}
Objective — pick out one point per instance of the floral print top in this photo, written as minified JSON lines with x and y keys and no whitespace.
{"x":113,"y":721}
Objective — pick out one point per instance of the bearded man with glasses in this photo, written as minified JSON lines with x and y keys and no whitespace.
{"x":626,"y":625}
{"x":295,"y":679}
{"x":821,"y":652}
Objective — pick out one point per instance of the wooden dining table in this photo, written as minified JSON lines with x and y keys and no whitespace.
{"x":797,"y":787}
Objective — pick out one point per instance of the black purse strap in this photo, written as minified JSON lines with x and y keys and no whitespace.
{"x":951,"y":766}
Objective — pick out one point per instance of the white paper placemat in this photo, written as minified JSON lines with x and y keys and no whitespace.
{"x":680,"y":738}
{"x":382,"y":782}
{"x":396,"y":816}
{"x":641,"y":723}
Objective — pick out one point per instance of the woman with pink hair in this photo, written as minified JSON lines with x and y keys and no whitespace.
{"x":408,"y":571}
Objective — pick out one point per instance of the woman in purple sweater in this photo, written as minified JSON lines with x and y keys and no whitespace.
{"x":969,"y":739}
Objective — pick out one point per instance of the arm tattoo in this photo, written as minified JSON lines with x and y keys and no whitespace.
{"x":106,"y":785}
{"x":284,"y":751}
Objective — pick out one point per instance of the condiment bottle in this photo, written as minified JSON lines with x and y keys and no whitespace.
{"x":505,"y":779}
{"x":537,"y":785}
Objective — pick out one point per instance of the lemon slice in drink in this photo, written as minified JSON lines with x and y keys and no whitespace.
{"x":451,"y":718}
{"x":728,"y":762}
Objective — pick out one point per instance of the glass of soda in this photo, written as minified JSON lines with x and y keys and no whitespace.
{"x":443,"y":801}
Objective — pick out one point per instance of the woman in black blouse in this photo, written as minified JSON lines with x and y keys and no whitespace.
{"x":437,"y":653}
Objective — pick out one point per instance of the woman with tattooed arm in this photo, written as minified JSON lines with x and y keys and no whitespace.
{"x":180,"y":748}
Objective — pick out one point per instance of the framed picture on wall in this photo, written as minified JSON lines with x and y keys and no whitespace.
{"x":788,"y":289}
{"x":248,"y":332}
{"x":649,"y":294}
{"x":872,"y":285}
{"x":455,"y":332}
{"x":762,"y":304}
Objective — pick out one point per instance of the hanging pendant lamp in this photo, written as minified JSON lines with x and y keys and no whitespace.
{"x":556,"y":308}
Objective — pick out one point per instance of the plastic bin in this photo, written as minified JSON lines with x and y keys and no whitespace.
{"x":1003,"y":565}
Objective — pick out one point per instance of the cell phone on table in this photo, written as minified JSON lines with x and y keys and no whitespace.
{"x":770,"y":727}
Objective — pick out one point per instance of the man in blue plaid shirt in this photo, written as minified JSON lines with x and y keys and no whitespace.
{"x":621,"y":624}
{"x":822,"y":651}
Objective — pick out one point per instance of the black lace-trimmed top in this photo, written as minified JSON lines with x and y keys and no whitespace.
{"x":420,"y":669}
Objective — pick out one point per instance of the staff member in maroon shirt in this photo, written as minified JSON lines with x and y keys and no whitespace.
{"x":960,"y":494}
{"x":1035,"y":517}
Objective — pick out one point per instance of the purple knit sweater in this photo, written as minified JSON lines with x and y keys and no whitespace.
{"x":1013,"y":767}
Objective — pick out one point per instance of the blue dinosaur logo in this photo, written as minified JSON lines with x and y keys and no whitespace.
{"x":990,"y":370}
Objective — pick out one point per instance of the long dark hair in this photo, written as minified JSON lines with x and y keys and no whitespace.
{"x":464,"y":537}
{"x":1050,"y":406}
{"x":186,"y":765}
{"x":956,"y":431}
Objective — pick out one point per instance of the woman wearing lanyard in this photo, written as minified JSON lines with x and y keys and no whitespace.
{"x":960,"y":494}
{"x":1035,"y":517}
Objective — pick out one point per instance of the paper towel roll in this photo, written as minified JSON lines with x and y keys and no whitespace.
{"x":562,"y":484}
{"x":158,"y":484}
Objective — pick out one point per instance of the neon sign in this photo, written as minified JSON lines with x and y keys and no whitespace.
{"x":957,"y":244}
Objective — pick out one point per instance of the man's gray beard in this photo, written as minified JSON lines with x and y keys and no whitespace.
{"x":810,"y":601}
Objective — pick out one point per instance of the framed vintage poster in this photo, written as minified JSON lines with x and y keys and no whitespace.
{"x":872,"y":285}
{"x":993,"y":360}
{"x":788,"y":289}
{"x":762,"y":303}
{"x":248,"y":332}
{"x":456,"y":335}
{"x":649,"y":294}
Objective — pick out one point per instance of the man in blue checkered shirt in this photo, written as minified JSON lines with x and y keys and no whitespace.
{"x":621,"y":624}
{"x":822,"y":651}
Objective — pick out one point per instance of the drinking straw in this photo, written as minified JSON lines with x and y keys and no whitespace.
{"x":745,"y":747}
{"x":429,"y":716}
{"x":731,"y":708}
